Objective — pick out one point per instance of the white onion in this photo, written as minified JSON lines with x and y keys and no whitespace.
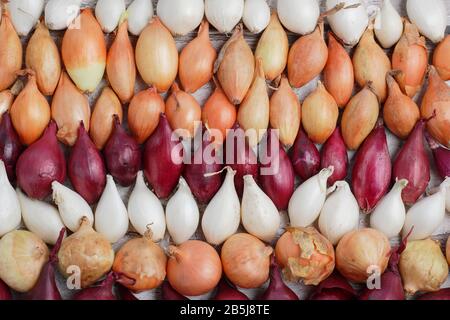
{"x":140,"y":13}
{"x":59,"y":14}
{"x":256,"y":15}
{"x":429,"y":16}
{"x":10,"y":214}
{"x":299,"y":16}
{"x":108,"y":13}
{"x":388,"y":25}
{"x":224,"y":15}
{"x":25,"y":14}
{"x":446,"y":185}
{"x":180,"y":16}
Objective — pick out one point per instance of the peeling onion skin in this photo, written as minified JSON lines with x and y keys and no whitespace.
{"x":10,"y":54}
{"x":441,"y":60}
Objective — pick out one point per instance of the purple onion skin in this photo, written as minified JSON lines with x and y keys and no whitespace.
{"x":372,"y":171}
{"x":203,"y":188}
{"x":279,"y":186}
{"x":277,"y":289}
{"x":5,"y":293}
{"x":10,"y":146}
{"x":104,"y":291}
{"x":334,"y":153}
{"x":169,"y":293}
{"x":86,"y":168}
{"x":412,"y":164}
{"x":227,"y":292}
{"x":333,"y":294}
{"x":40,"y":164}
{"x":123,"y":155}
{"x":441,"y":157}
{"x":443,"y":294}
{"x":161,"y":171}
{"x":335,"y":287}
{"x":304,"y":156}
{"x":126,"y":294}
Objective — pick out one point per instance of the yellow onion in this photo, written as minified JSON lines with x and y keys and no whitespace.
{"x":30,"y":112}
{"x":338,"y":73}
{"x":69,"y":107}
{"x":10,"y":52}
{"x":307,"y":58}
{"x":441,"y":60}
{"x":157,"y":56}
{"x":400,"y":112}
{"x":411,"y":58}
{"x":360,"y":251}
{"x":197,"y":61}
{"x":6,"y":101}
{"x":319,"y":114}
{"x":436,"y":102}
{"x":42,"y":56}
{"x":88,"y":250}
{"x":285,"y":112}
{"x":254,"y":111}
{"x":423,"y":266}
{"x":183,"y":112}
{"x":246,"y":260}
{"x":102,"y":119}
{"x":273,"y":48}
{"x":370,"y":63}
{"x":120,"y":64}
{"x":143,"y":113}
{"x":84,"y":51}
{"x":359,"y":118}
{"x":305,"y":255}
{"x":235,"y":67}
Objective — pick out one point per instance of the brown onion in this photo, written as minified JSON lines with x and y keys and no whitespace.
{"x":411,"y":58}
{"x":157,"y":56}
{"x":359,"y":118}
{"x":197,"y":61}
{"x":441,"y":60}
{"x":143,"y":113}
{"x":285,"y":112}
{"x":235,"y":67}
{"x":10,"y":52}
{"x":6,"y":101}
{"x":69,"y":107}
{"x":360,"y":250}
{"x":305,"y":254}
{"x":193,"y":268}
{"x":307,"y":58}
{"x":319,"y":114}
{"x":246,"y":260}
{"x":400,"y":112}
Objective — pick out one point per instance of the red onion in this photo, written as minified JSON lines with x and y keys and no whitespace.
{"x":443,"y":294}
{"x":125,"y":294}
{"x":169,"y":293}
{"x":278,"y":185}
{"x":40,"y":164}
{"x":441,"y":157}
{"x":226,"y":291}
{"x":162,"y":168}
{"x":122,"y":155}
{"x":412,"y":164}
{"x":86,"y":168}
{"x":10,"y":146}
{"x":334,"y":153}
{"x":304,"y":156}
{"x":45,"y":288}
{"x":277,"y":289}
{"x":5,"y":292}
{"x":335,"y":287}
{"x":104,"y":291}
{"x":371,"y":175}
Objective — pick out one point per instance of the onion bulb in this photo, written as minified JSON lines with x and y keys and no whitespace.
{"x":108,"y":13}
{"x":6,"y":101}
{"x":59,"y":14}
{"x":83,"y":51}
{"x":360,"y":251}
{"x":180,"y":16}
{"x":440,"y":58}
{"x":224,"y":15}
{"x":23,"y":256}
{"x":194,"y":268}
{"x":388,"y":25}
{"x":10,"y":213}
{"x":299,"y":16}
{"x":140,"y":12}
{"x":10,"y":53}
{"x":246,"y":260}
{"x":429,"y":16}
{"x":256,"y":15}
{"x":25,"y":14}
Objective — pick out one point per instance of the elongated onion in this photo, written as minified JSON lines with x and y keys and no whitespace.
{"x":440,"y":58}
{"x":10,"y":52}
{"x":6,"y":101}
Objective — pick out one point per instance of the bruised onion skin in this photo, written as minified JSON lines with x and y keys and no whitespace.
{"x":371,"y":175}
{"x":40,"y":164}
{"x":277,"y":289}
{"x":441,"y":157}
{"x":441,"y":60}
{"x":227,"y":292}
{"x":335,"y":287}
{"x":334,"y":153}
{"x":10,"y":146}
{"x":86,"y":168}
{"x":412,"y":164}
{"x":5,"y":293}
{"x":104,"y":291}
{"x":169,"y":293}
{"x":122,"y":155}
{"x":304,"y":156}
{"x":443,"y":294}
{"x":161,"y":171}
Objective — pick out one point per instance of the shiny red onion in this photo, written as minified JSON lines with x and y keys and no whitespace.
{"x":412,"y":164}
{"x":277,"y":289}
{"x":278,"y":182}
{"x":163,"y":159}
{"x":40,"y":164}
{"x":335,"y":287}
{"x":441,"y":157}
{"x":10,"y":146}
{"x":371,"y":174}
{"x":304,"y":156}
{"x":122,"y":155}
{"x":104,"y":291}
{"x":169,"y":293}
{"x":86,"y":168}
{"x":5,"y":292}
{"x":443,"y":294}
{"x":334,"y":153}
{"x":226,"y":291}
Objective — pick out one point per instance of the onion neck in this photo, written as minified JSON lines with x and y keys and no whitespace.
{"x":54,"y":253}
{"x":175,"y":253}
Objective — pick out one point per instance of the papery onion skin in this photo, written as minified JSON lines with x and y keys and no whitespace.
{"x":11,"y":53}
{"x":169,"y":293}
{"x":246,"y":260}
{"x":334,"y":153}
{"x":10,"y":145}
{"x":83,"y":52}
{"x":226,"y":292}
{"x":194,"y":268}
{"x":441,"y":157}
{"x":440,"y":58}
{"x":338,"y":74}
{"x":305,"y":156}
{"x":335,"y":287}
